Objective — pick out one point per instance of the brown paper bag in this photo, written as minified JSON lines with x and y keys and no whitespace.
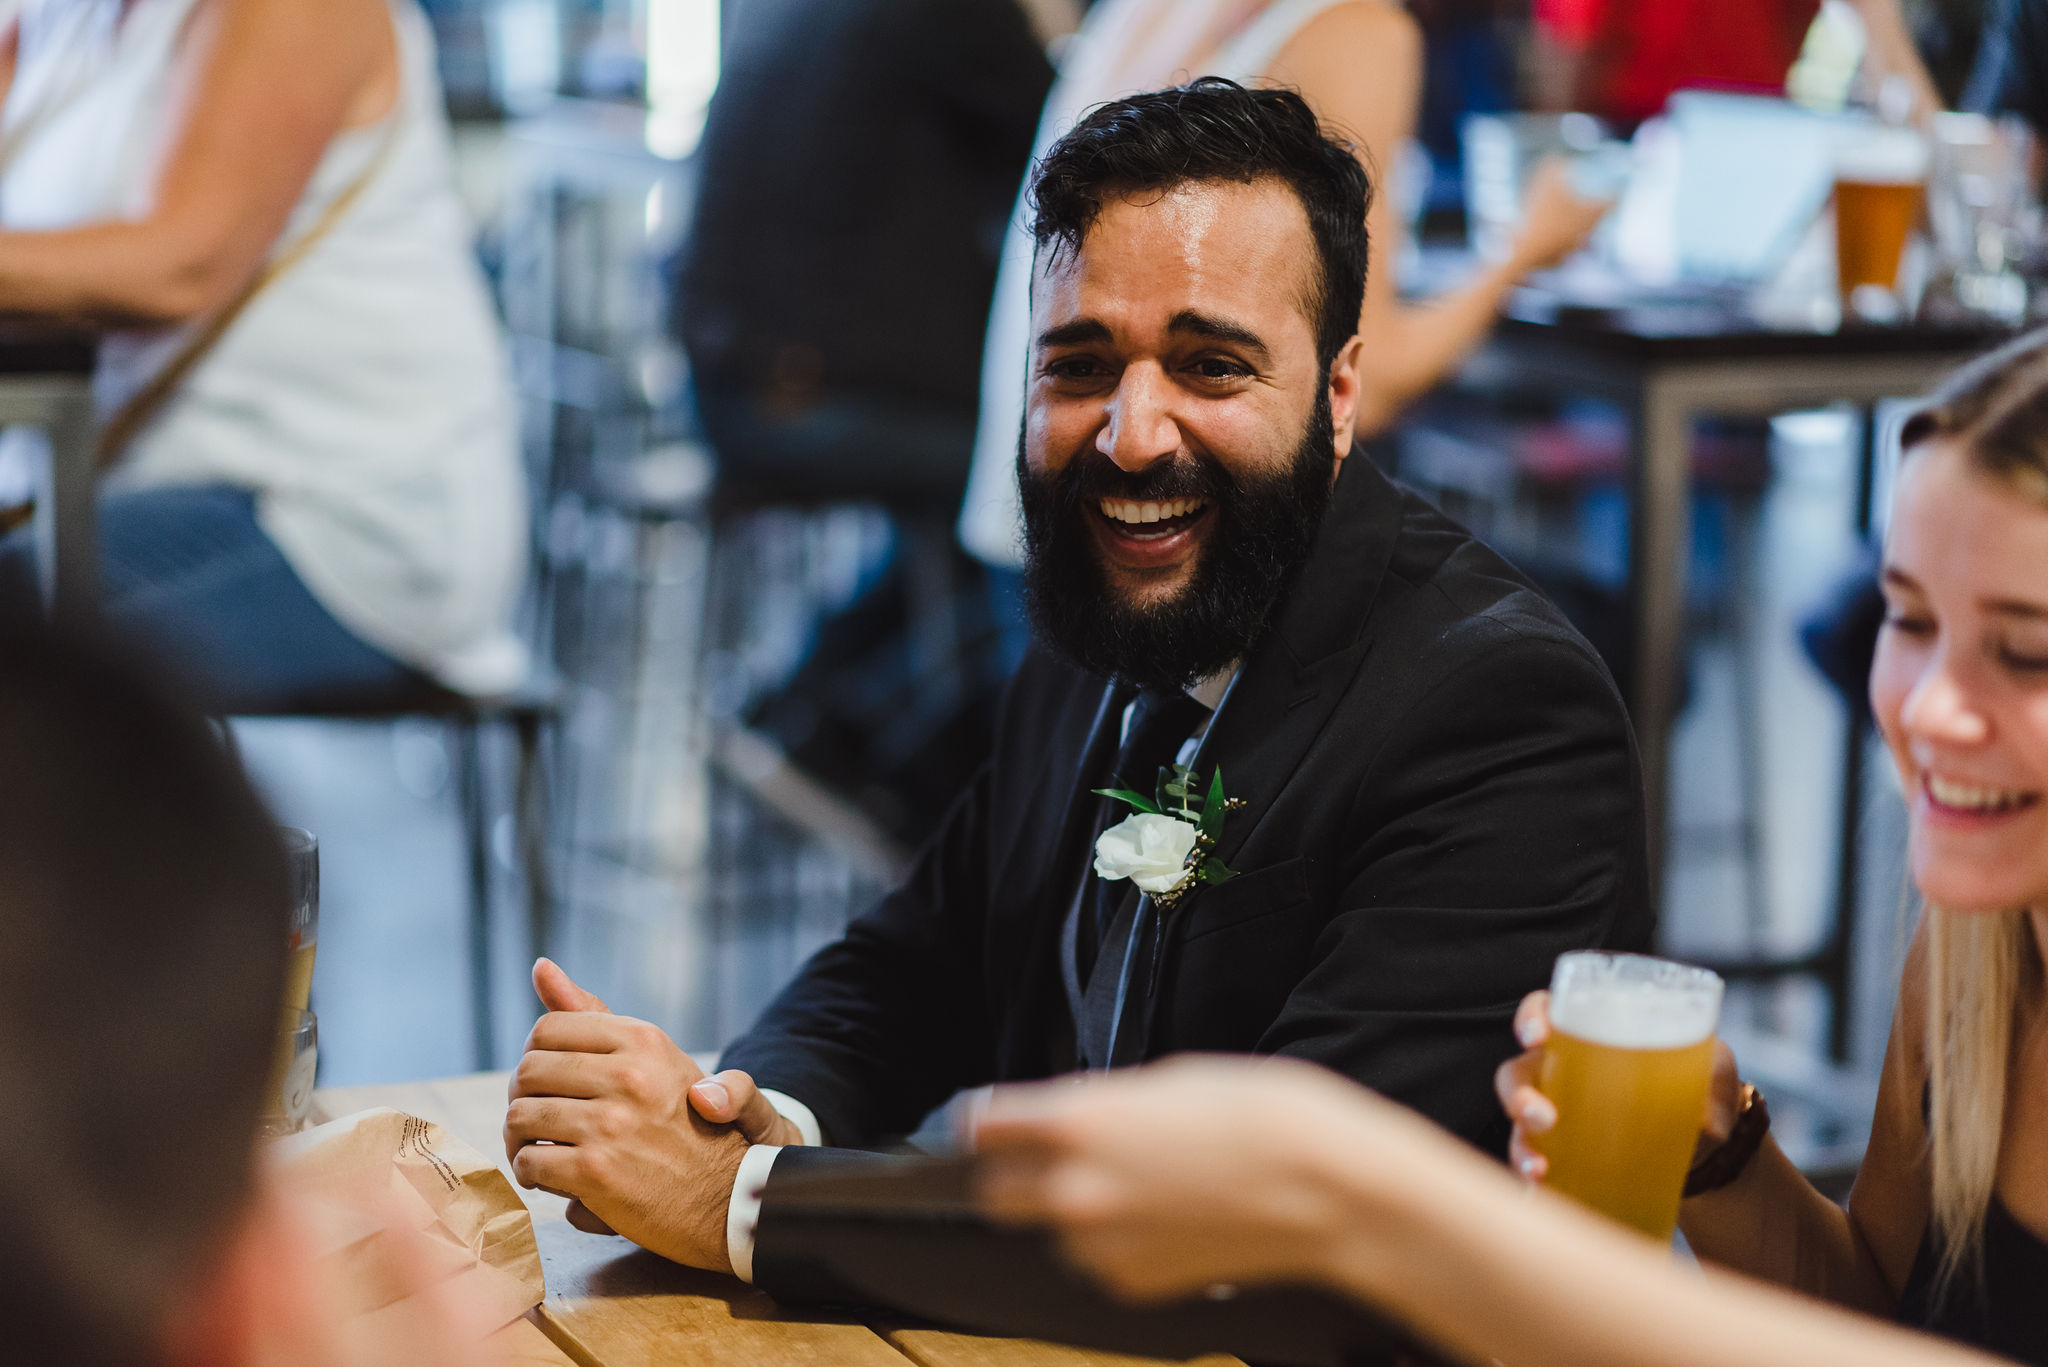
{"x":362,"y":1175}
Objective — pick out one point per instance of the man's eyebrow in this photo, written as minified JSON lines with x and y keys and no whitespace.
{"x":1217,"y":329}
{"x":1898,"y":578}
{"x":1076,"y":333}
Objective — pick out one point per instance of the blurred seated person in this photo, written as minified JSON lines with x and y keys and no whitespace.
{"x":856,"y":167}
{"x":1435,"y":788}
{"x":1359,"y":64}
{"x":1622,"y":59}
{"x":143,"y":916}
{"x":322,"y":503}
{"x":1168,"y":1180}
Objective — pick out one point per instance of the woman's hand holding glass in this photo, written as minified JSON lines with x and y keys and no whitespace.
{"x":1518,"y":1085}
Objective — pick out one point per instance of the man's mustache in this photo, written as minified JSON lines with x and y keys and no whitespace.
{"x":1094,"y":476}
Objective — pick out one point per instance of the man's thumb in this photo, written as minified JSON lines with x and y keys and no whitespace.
{"x":558,"y":992}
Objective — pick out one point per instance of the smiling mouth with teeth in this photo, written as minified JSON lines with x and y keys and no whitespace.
{"x":1145,"y":520}
{"x":1976,"y":801}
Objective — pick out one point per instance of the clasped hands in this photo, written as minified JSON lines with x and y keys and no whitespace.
{"x":609,"y":1112}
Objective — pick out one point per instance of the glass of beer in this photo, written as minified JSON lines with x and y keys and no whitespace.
{"x":1630,"y":1055}
{"x":288,"y":1096}
{"x":1880,"y":181}
{"x":302,"y":864}
{"x":290,"y":1088}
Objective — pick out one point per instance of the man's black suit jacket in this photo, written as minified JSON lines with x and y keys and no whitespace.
{"x":1442,"y":796}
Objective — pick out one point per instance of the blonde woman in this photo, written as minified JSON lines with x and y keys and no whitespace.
{"x":1359,"y":65}
{"x":1947,"y":1227}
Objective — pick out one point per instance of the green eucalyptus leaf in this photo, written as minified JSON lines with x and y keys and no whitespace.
{"x":1214,"y":806}
{"x":1137,"y":800}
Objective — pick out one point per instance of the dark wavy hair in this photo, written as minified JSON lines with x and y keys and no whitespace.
{"x":1215,"y":129}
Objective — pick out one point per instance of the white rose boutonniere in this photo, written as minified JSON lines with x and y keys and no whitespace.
{"x":1149,"y":849}
{"x":1164,"y":846}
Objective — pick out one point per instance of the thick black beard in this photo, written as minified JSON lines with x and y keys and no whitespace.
{"x":1265,"y":532}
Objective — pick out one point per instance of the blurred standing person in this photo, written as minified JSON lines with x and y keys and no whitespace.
{"x":1359,"y":65}
{"x":857,"y":164}
{"x":314,"y":494}
{"x":2011,"y":72}
{"x":856,"y":169}
{"x":1622,"y":59}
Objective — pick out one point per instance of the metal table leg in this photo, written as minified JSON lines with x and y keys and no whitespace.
{"x":1660,"y":536}
{"x":69,"y":515}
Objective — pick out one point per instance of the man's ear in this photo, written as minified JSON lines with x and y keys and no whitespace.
{"x":1344,"y":383}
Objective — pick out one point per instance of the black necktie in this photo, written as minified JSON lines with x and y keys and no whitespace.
{"x":1107,"y":911}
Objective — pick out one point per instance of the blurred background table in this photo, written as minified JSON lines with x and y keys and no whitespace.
{"x":46,"y":383}
{"x":610,"y":1304}
{"x":1669,"y":365}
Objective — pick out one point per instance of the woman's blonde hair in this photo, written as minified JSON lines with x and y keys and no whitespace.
{"x":1979,"y":964}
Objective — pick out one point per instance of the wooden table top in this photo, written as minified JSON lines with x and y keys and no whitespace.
{"x":610,"y":1304}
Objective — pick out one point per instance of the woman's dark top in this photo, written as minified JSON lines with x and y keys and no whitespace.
{"x":2006,"y":1312}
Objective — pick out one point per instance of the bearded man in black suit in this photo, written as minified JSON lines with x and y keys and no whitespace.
{"x":1409,"y":784}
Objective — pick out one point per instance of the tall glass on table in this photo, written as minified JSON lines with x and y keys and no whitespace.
{"x":1630,"y":1057}
{"x":291,"y":1082}
{"x":1880,"y":182}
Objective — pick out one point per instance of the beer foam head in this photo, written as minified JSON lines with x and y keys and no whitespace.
{"x":1631,"y":1001}
{"x":1882,"y":156}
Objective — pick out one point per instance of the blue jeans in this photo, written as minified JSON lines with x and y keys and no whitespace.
{"x":189,"y":578}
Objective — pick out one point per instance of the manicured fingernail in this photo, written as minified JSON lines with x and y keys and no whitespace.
{"x":1529,"y":1033}
{"x":712,"y":1092}
{"x":1531,"y":1167}
{"x":1538,"y":1114}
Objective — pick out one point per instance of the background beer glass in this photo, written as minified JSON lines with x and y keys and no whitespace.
{"x":290,"y":1089}
{"x":1880,"y":180}
{"x":302,"y":861}
{"x":1630,"y":1055}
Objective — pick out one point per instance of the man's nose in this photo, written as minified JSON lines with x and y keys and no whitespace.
{"x":1940,"y":707}
{"x":1141,"y":427}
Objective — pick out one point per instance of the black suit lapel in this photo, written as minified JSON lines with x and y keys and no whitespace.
{"x":1045,"y":990}
{"x":1285,"y":692}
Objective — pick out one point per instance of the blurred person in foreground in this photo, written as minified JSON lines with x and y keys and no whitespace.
{"x":312,"y":495}
{"x":1194,"y":1174}
{"x":1946,"y":1228}
{"x":1359,"y":64}
{"x":1435,"y":788}
{"x":143,"y":915}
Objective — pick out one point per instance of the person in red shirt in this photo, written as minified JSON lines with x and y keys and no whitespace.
{"x":1622,"y":59}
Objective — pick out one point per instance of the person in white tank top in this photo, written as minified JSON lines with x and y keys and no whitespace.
{"x":1359,"y":64}
{"x":328,"y":504}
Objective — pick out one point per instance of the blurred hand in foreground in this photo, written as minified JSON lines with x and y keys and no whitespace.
{"x":1177,"y":1176}
{"x":1556,"y":219}
{"x":604,"y":1109}
{"x":274,"y":1302}
{"x":1517,"y":1084}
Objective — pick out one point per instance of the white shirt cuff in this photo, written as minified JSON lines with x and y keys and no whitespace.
{"x":797,"y":1114}
{"x":743,"y":1211}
